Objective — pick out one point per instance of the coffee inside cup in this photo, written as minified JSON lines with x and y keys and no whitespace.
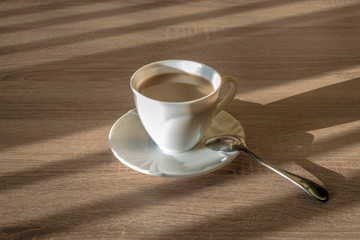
{"x":175,"y":87}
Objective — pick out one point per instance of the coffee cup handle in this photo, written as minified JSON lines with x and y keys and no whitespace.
{"x":230,"y":96}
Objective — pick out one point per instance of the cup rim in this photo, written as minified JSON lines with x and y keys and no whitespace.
{"x":174,"y":103}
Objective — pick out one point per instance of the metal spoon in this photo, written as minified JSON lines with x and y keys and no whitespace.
{"x":229,"y":143}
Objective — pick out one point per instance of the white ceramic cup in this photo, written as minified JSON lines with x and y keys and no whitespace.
{"x":178,"y":126}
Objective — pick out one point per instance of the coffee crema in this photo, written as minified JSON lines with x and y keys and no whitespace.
{"x":175,"y":87}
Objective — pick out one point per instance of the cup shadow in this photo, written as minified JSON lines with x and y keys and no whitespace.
{"x":284,"y":130}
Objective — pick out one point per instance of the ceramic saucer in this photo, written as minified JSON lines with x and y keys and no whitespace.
{"x":131,"y":144}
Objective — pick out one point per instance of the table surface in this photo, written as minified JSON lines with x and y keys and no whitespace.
{"x":64,"y":79}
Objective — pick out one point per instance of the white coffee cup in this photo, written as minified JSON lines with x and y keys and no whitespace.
{"x":178,"y":126}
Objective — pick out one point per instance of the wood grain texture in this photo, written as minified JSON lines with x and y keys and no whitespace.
{"x":64,"y":80}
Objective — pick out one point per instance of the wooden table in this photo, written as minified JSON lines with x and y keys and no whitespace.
{"x":64,"y":80}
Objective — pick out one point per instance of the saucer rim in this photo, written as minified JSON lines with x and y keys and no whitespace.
{"x":228,"y":157}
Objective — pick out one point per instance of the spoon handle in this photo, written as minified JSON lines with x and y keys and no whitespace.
{"x":313,"y":189}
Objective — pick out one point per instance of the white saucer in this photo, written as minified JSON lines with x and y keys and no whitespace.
{"x":131,"y":144}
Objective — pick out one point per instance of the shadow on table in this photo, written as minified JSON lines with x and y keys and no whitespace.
{"x":271,"y":60}
{"x":79,"y":17}
{"x":68,"y":4}
{"x":52,"y":170}
{"x":245,"y":221}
